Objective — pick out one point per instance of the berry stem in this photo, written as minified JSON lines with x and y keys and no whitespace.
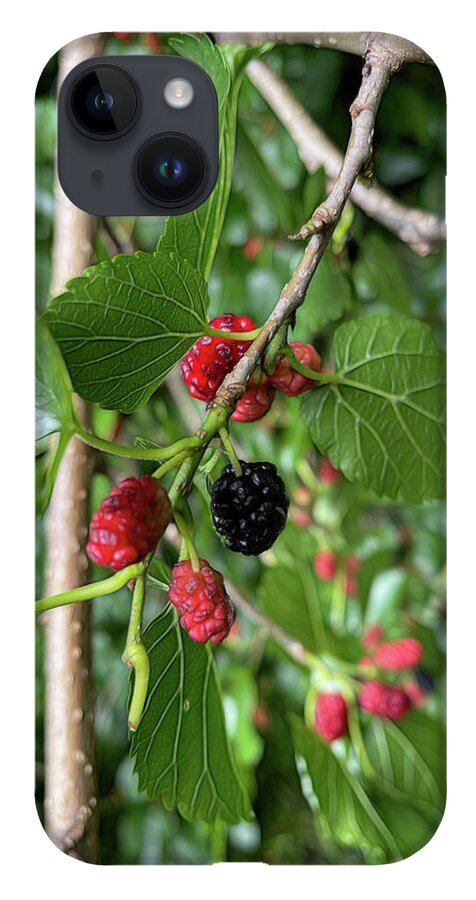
{"x":187,"y":536}
{"x":135,"y":654}
{"x":358,"y":742}
{"x":172,"y":463}
{"x":146,"y":453}
{"x":323,"y":377}
{"x":234,"y":335}
{"x":275,"y":347}
{"x":338,"y":603}
{"x":89,"y":591}
{"x":230,"y":450}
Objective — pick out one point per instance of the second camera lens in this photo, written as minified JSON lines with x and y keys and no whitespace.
{"x":171,"y":168}
{"x":104,"y":101}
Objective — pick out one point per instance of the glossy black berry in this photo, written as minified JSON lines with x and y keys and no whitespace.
{"x":249,"y":510}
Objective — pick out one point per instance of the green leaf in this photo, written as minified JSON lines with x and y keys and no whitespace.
{"x":125,"y":323}
{"x":53,"y":391}
{"x":181,"y":750}
{"x":200,"y":50}
{"x":195,"y":235}
{"x":328,"y":298}
{"x":382,"y":421}
{"x":289,"y":596}
{"x":344,"y":809}
{"x":386,"y":594}
{"x":159,"y":573}
{"x":54,"y":412}
{"x":47,"y":469}
{"x":409,"y":756}
{"x":378,"y":273}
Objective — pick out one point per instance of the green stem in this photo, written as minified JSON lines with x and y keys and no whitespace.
{"x":145,"y":453}
{"x":322,"y":377}
{"x":275,"y":347}
{"x":358,"y":742}
{"x":234,"y":335}
{"x":187,"y":536}
{"x":228,"y":446}
{"x":338,"y":603}
{"x":89,"y":591}
{"x":172,"y":463}
{"x":135,"y":654}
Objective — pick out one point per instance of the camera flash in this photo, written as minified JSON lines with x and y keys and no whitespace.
{"x":178,"y":93}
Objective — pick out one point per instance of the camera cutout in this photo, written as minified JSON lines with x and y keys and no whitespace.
{"x":137,"y":135}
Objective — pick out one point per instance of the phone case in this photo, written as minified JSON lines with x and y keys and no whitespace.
{"x":240,"y":473}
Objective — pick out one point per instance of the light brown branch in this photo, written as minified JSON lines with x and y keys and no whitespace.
{"x":70,"y":772}
{"x":380,"y":64}
{"x":422,"y":230}
{"x":356,"y":42}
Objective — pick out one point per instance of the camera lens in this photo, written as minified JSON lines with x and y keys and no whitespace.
{"x":104,"y":101}
{"x":170,"y":168}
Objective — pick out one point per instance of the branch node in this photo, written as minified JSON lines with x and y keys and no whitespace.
{"x":320,"y":221}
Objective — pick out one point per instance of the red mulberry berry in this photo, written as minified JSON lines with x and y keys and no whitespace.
{"x":211,"y":358}
{"x":372,"y":637}
{"x":129,"y":523}
{"x":254,"y":404}
{"x":202,"y":603}
{"x":288,"y":380}
{"x":252,"y":247}
{"x":327,"y":473}
{"x":331,"y":716}
{"x":301,"y":518}
{"x":405,"y":653}
{"x":384,"y":700}
{"x":325,"y":564}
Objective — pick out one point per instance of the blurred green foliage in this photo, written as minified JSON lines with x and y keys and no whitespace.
{"x":402,"y":547}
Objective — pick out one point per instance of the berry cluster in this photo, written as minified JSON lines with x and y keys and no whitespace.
{"x":201,"y":600}
{"x":387,"y":701}
{"x":129,"y":523}
{"x":212,"y":358}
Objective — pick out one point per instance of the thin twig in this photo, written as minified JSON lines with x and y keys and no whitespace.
{"x":421,"y":230}
{"x":380,"y":64}
{"x":293,"y":647}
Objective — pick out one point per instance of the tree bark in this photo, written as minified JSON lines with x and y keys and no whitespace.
{"x":70,"y":769}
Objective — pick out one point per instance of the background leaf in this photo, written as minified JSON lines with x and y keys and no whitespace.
{"x":383,"y":424}
{"x":181,"y":748}
{"x":409,"y":755}
{"x":378,"y":273}
{"x":53,"y":391}
{"x":199,"y":48}
{"x":329,"y":295}
{"x":125,"y":323}
{"x":54,"y":412}
{"x":289,"y":596}
{"x":195,"y":235}
{"x":345,"y":811}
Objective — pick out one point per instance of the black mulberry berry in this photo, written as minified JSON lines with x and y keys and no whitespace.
{"x":249,"y":510}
